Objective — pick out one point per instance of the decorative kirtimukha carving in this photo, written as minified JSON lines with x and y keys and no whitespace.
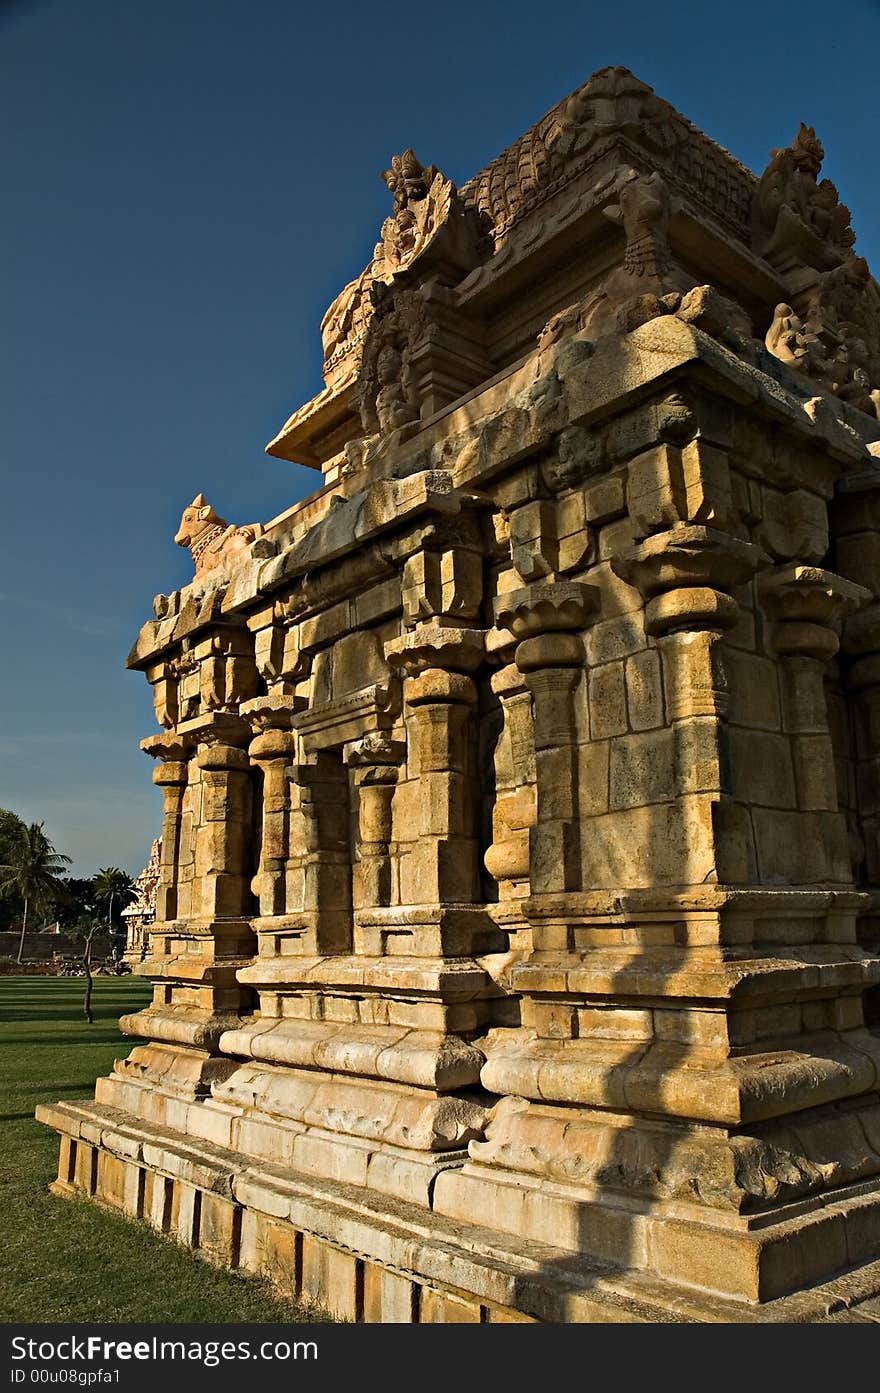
{"x":211,"y":539}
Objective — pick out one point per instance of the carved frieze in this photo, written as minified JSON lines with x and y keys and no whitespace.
{"x":386,"y":395}
{"x":344,"y":329}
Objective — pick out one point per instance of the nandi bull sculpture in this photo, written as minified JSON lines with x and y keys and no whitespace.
{"x":211,"y":539}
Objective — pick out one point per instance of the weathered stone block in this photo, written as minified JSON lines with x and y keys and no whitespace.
{"x":761,"y":768}
{"x":607,"y":701}
{"x":641,"y":769}
{"x":644,"y":691}
{"x":389,"y":1299}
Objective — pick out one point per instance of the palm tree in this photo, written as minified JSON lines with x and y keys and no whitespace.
{"x":31,"y":870}
{"x":113,"y":884}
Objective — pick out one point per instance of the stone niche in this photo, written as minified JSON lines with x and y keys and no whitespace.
{"x":516,"y":951}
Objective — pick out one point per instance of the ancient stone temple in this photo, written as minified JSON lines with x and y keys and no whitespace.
{"x":516,"y":951}
{"x":140,"y":915}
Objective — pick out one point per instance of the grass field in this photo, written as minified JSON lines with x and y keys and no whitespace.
{"x":68,"y":1260}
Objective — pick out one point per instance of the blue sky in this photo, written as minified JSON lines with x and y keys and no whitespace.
{"x":188,"y":183}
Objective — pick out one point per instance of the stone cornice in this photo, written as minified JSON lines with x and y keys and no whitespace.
{"x":464,"y":447}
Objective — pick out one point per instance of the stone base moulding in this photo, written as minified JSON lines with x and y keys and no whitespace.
{"x":367,"y":1257}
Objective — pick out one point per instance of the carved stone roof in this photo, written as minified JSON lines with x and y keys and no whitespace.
{"x":610,"y":105}
{"x":421,"y":325}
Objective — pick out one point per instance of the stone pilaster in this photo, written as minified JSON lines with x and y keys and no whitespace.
{"x":375,"y":762}
{"x":434,"y":804}
{"x":514,"y":805}
{"x":271,"y":752}
{"x":170,"y":775}
{"x":193,"y":960}
{"x":544,"y":619}
{"x":686,"y":576}
{"x":808,"y":606}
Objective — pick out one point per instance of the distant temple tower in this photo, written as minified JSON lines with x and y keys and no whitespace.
{"x":516,"y":949}
{"x":141,"y":913}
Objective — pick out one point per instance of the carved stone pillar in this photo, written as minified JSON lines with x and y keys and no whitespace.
{"x":272,"y":751}
{"x":808,"y":605}
{"x":435,"y":802}
{"x":550,"y":655}
{"x":321,"y":834}
{"x":374,"y":761}
{"x":170,"y":775}
{"x":222,"y":836}
{"x":514,"y":807}
{"x":685,"y":576}
{"x":196,"y":950}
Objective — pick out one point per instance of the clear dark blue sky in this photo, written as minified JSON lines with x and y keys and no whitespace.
{"x":187,"y":184}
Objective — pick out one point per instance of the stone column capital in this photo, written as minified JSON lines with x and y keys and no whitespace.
{"x":685,"y":575}
{"x":274,"y":711}
{"x":272,"y":744}
{"x":436,"y":646}
{"x":169,"y":747}
{"x":376,"y":751}
{"x":170,"y":773}
{"x":436,"y":685}
{"x":222,"y":757}
{"x":215,"y":728}
{"x":689,"y":555}
{"x":808,"y":605}
{"x":546,"y":607}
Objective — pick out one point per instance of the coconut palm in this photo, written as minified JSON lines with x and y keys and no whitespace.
{"x":31,"y":870}
{"x":114,"y":886}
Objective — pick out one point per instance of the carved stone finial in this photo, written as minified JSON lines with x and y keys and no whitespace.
{"x":211,"y":540}
{"x":408,"y":179}
{"x":807,"y":151}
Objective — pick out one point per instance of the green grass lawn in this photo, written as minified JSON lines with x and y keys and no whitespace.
{"x":67,"y":1259}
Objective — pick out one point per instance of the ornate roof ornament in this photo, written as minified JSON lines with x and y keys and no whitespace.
{"x":408,"y":180}
{"x":428,"y":216}
{"x":794,"y":217}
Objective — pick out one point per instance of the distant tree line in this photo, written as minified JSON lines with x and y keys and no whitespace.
{"x":35,"y":890}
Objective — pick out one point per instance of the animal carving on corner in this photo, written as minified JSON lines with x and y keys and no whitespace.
{"x":211,"y":540}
